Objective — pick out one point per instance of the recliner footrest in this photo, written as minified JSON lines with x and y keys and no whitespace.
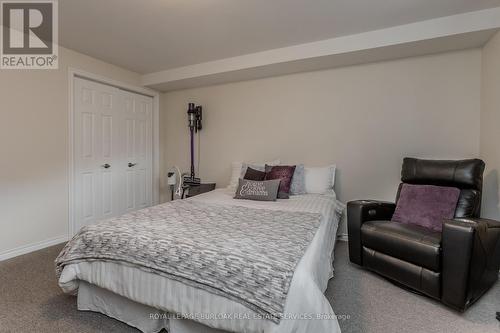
{"x":413,"y":276}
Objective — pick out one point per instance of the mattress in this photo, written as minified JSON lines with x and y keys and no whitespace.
{"x":306,"y":308}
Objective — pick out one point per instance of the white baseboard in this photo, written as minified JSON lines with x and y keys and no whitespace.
{"x":32,"y":247}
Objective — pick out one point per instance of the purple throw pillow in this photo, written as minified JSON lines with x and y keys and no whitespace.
{"x":426,"y":205}
{"x":285,"y":174}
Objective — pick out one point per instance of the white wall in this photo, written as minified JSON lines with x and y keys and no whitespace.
{"x":34,"y":146}
{"x":364,"y":118}
{"x":490,"y":126}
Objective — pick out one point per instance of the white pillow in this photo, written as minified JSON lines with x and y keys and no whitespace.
{"x":236,"y":172}
{"x":320,"y":180}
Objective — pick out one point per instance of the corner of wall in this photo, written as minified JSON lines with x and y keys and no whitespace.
{"x":489,"y":120}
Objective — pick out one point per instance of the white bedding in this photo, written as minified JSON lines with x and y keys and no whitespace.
{"x":305,"y":299}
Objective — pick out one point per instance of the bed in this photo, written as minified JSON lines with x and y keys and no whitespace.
{"x":150,"y":301}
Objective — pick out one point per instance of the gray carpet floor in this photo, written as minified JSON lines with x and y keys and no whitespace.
{"x":30,"y":301}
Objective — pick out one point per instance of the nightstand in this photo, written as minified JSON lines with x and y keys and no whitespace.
{"x":193,"y":190}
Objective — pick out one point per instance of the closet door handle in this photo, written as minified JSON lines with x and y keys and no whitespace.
{"x":131,"y":164}
{"x":106,"y":166}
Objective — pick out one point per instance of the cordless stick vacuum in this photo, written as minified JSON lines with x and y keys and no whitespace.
{"x":194,"y":118}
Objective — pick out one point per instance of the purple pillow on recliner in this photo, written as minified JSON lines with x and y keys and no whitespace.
{"x":426,"y":205}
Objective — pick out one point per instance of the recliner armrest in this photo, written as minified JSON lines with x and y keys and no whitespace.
{"x":361,"y":211}
{"x":471,"y":259}
{"x":477,"y":222}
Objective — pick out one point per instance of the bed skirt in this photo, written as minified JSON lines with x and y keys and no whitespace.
{"x":143,"y":317}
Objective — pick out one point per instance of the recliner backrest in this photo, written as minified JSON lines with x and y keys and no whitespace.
{"x":466,"y":175}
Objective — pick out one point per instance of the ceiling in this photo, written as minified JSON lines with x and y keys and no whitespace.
{"x":153,"y":35}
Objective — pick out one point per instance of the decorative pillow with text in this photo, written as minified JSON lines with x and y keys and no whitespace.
{"x":266,"y":190}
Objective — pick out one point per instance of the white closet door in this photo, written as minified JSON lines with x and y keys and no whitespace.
{"x":112,"y":152}
{"x":138,"y":150}
{"x":97,"y":177}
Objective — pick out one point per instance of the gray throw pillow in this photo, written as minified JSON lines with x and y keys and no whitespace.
{"x":298,"y":185}
{"x":266,"y":190}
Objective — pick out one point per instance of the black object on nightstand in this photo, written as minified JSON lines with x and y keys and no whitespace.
{"x":195,"y":189}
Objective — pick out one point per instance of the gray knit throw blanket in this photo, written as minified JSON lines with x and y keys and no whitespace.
{"x":247,"y":255}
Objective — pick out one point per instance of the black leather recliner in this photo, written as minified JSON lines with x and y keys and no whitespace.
{"x":456,"y":266}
